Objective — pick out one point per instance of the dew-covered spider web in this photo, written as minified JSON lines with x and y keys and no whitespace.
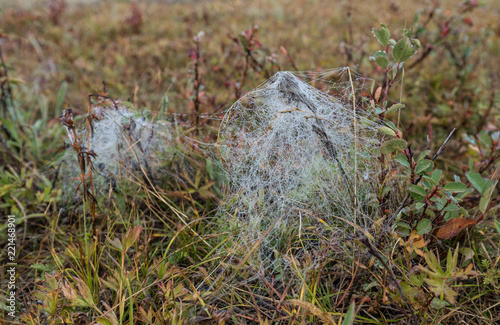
{"x":301,"y":170}
{"x":128,"y":147}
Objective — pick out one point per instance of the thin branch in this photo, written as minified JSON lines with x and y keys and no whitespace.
{"x":374,"y":252}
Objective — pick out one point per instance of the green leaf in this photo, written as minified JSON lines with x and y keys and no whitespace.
{"x":440,"y":201}
{"x":424,"y":226}
{"x":403,"y":50}
{"x":416,"y":43}
{"x":382,"y":62}
{"x":388,"y":131}
{"x":382,"y":35}
{"x":403,"y":228}
{"x":424,"y":166}
{"x":489,"y":184}
{"x":467,"y":252}
{"x":451,"y":261}
{"x":428,"y":182}
{"x":104,"y":321}
{"x":423,"y":155}
{"x":417,"y":279}
{"x":390,"y":123}
{"x":392,"y":74}
{"x":463,"y":212}
{"x":243,"y":42}
{"x":379,"y":53}
{"x":368,"y":286}
{"x":402,"y":160}
{"x":434,"y":263}
{"x":485,"y":198}
{"x":349,"y":317}
{"x":395,"y":107}
{"x":419,"y":205}
{"x":417,"y":192}
{"x":471,"y":163}
{"x":61,"y":95}
{"x":436,"y":175}
{"x":452,"y":207}
{"x":497,"y":225}
{"x":41,"y":267}
{"x":116,"y":243}
{"x":438,"y":303}
{"x":408,"y":32}
{"x":392,"y":145}
{"x":477,"y":181}
{"x":455,"y":187}
{"x":380,"y":58}
{"x":486,"y":139}
{"x":416,"y":17}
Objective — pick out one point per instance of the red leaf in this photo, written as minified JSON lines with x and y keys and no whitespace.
{"x":445,"y":32}
{"x":377,"y":93}
{"x":192,"y":55}
{"x":283,"y":50}
{"x":453,"y":227}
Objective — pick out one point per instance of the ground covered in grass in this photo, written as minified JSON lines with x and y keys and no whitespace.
{"x":152,"y":181}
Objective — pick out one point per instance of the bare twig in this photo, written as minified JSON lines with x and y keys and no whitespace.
{"x":284,"y":50}
{"x":197,"y":83}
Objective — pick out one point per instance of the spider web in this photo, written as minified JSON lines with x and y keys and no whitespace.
{"x":301,"y":170}
{"x":129,"y":147}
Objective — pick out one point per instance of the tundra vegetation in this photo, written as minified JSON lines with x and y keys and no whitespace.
{"x":251,"y":162}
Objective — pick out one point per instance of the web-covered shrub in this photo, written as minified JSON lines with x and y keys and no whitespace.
{"x":128,"y":147}
{"x":301,"y":167}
